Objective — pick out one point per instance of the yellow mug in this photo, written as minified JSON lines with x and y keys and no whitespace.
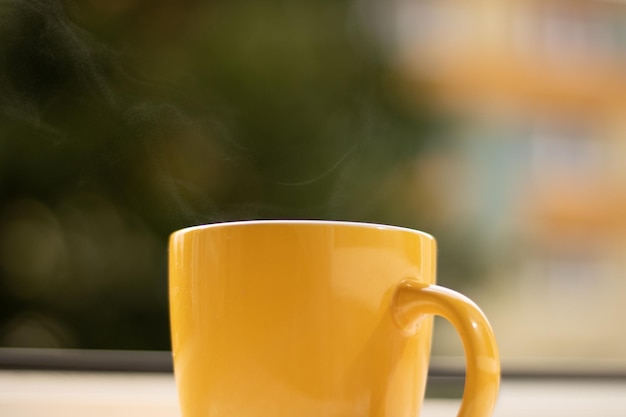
{"x":315,"y":318}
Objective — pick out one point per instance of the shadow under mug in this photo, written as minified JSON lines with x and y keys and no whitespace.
{"x":315,"y":318}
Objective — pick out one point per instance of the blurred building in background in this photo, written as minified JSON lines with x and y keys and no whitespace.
{"x":538,"y":92}
{"x":499,"y":127}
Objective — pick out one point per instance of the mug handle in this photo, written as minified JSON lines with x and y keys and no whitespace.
{"x":413,"y":301}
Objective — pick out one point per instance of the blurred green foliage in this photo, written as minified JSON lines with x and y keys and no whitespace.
{"x":121,"y":122}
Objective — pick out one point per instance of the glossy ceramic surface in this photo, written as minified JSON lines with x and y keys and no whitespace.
{"x":306,"y":318}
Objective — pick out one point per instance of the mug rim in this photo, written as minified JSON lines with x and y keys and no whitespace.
{"x":312,"y":222}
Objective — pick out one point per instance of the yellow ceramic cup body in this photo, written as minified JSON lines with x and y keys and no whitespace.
{"x":310,"y":318}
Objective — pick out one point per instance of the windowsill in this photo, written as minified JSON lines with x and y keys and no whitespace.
{"x":69,"y":394}
{"x":73,"y":390}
